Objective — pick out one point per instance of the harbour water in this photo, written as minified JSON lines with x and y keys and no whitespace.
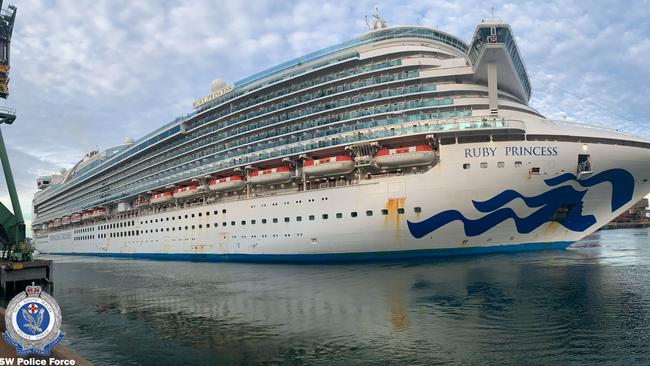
{"x":588,"y":304}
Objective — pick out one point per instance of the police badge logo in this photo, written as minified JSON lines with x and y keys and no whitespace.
{"x":32,"y":322}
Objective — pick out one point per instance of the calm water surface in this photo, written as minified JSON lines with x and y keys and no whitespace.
{"x":589,"y":304}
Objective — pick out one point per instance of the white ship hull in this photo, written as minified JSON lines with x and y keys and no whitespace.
{"x":442,"y":213}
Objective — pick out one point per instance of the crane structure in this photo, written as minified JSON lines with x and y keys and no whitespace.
{"x":12,"y":224}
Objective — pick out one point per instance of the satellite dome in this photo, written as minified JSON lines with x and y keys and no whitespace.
{"x":128,"y":141}
{"x":217,"y":84}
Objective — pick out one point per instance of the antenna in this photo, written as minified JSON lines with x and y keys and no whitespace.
{"x":367,"y":24}
{"x":492,"y":9}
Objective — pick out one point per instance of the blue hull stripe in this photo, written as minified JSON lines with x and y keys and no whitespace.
{"x":333,"y":257}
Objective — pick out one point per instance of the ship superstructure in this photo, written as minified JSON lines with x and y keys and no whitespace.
{"x":404,"y":141}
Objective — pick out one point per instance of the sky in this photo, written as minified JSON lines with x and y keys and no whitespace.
{"x":88,"y":74}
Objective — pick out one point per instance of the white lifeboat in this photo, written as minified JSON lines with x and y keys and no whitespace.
{"x":75,"y":218}
{"x":163,"y":197}
{"x":340,"y":164}
{"x":65,"y":220}
{"x":100,"y":212}
{"x":405,"y":156}
{"x":56,"y":222}
{"x":227,"y":184}
{"x":271,"y":176}
{"x":189,"y":191}
{"x":86,"y":215}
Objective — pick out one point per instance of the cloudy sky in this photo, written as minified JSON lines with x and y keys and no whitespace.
{"x":88,"y":74}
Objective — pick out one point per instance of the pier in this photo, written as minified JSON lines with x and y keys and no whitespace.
{"x":39,"y":271}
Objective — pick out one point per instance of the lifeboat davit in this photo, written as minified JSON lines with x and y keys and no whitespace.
{"x":86,"y":215}
{"x":186,"y":192}
{"x":100,"y":212}
{"x":162,"y":197}
{"x":271,"y":176}
{"x":405,"y":156}
{"x":56,"y":222}
{"x":227,"y":184}
{"x":75,"y":218}
{"x":340,"y":164}
{"x":65,"y":220}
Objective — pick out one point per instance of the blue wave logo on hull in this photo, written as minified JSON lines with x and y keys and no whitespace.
{"x":561,"y":204}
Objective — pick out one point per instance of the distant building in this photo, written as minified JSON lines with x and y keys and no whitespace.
{"x":637,"y":212}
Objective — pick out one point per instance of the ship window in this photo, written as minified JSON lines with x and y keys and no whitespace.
{"x":179,"y":217}
{"x":253,"y":222}
{"x":353,"y":214}
{"x":243,"y":222}
{"x":466,"y":166}
{"x":166,"y":218}
{"x":484,"y":165}
{"x":192,"y":215}
{"x":232,"y":223}
{"x":173,"y":228}
{"x":216,"y":212}
{"x":216,"y":224}
{"x":339,"y":215}
{"x":200,"y":214}
{"x":298,"y":218}
{"x":518,"y":164}
{"x":263,"y":221}
{"x":369,"y":213}
{"x":167,"y":229}
{"x":173,"y":218}
{"x":400,"y":210}
{"x":286,"y":219}
{"x":417,"y":209}
{"x":185,"y":216}
{"x":312,"y":217}
{"x":200,"y":226}
{"x":384,"y":211}
{"x":501,"y":164}
{"x":223,"y":211}
{"x":185,"y":228}
{"x":275,"y":220}
{"x":325,"y":216}
{"x":534,"y":170}
{"x":207,"y":213}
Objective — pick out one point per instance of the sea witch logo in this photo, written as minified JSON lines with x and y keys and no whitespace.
{"x":33,"y":319}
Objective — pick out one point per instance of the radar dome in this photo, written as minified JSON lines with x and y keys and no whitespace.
{"x":217,"y":84}
{"x":128,"y":141}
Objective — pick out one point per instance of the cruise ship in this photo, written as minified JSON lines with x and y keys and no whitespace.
{"x":406,"y":142}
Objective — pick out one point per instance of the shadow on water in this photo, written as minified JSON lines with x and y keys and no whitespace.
{"x":589,"y":303}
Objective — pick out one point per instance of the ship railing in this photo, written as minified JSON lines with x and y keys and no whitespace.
{"x":374,"y":133}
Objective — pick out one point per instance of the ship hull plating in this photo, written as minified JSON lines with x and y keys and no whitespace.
{"x":477,"y":198}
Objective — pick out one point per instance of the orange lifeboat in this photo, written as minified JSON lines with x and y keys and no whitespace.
{"x":86,"y":215}
{"x":100,"y":212}
{"x":340,"y":164}
{"x":277,"y":175}
{"x":75,"y":218}
{"x":186,"y":192}
{"x":163,"y":197}
{"x":140,"y":203}
{"x":231,"y":183}
{"x":405,"y":156}
{"x":65,"y":220}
